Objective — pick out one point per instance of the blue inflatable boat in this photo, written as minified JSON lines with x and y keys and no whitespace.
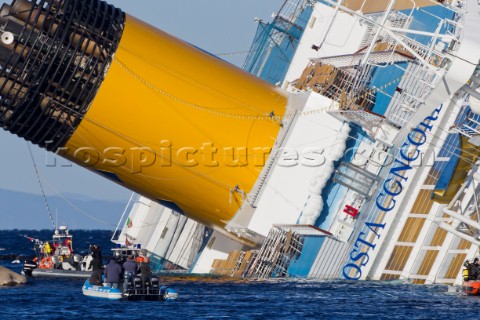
{"x":135,"y":291}
{"x":101,"y":291}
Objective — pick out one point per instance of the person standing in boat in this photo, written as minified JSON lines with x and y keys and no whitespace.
{"x":96,"y":277}
{"x":68,"y":244}
{"x":96,"y":251}
{"x":96,"y":262}
{"x":472,"y":270}
{"x":112,"y":273}
{"x":47,"y":249}
{"x":130,"y":269}
{"x":145,"y":272}
{"x":475,"y":269}
{"x":142,"y":256}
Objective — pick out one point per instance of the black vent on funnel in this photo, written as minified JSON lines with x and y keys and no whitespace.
{"x":53,"y":57}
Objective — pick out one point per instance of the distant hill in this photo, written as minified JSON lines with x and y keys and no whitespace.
{"x":20,"y":210}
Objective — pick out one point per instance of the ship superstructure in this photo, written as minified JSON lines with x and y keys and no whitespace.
{"x":355,"y":159}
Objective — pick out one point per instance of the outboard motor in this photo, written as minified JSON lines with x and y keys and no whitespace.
{"x":137,"y":285}
{"x":66,"y":266}
{"x":168,"y":294}
{"x":77,"y":259}
{"x":155,"y":286}
{"x":147,"y":286}
{"x":56,"y":261}
{"x":128,"y":283}
{"x":28,"y":267}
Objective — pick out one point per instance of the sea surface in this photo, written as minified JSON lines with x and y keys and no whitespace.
{"x":210,"y":298}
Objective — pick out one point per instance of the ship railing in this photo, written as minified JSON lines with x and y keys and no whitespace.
{"x":348,"y":86}
{"x":416,"y":85}
{"x":467,"y":131}
{"x":458,"y":201}
{"x":400,"y":35}
{"x":272,"y":159}
{"x":239,"y":263}
{"x":469,"y":127}
{"x":282,"y":245}
{"x":276,"y":34}
{"x":429,"y":53}
{"x":396,"y":19}
{"x":397,"y":120}
{"x":292,"y":8}
{"x":455,"y":25}
{"x":288,"y":15}
{"x":421,"y":49}
{"x":456,"y":6}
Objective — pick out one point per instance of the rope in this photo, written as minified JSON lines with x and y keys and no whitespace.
{"x":75,"y":207}
{"x":41,"y":187}
{"x":157,"y":90}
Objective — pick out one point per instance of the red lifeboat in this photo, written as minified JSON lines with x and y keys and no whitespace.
{"x":471,"y":287}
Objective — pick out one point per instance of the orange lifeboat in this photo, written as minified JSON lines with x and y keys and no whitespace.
{"x":471,"y":287}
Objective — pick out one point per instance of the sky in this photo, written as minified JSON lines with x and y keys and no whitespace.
{"x":217,"y":26}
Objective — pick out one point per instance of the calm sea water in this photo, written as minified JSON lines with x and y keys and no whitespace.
{"x":201,"y":298}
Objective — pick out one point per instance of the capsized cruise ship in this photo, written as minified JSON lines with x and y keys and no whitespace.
{"x":348,"y":150}
{"x":390,"y":111}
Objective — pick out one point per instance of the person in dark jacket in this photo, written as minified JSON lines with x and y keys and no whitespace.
{"x":130,"y":268}
{"x":96,"y":277}
{"x":96,"y":261}
{"x":97,"y":252}
{"x":112,"y":273}
{"x":145,"y":272}
{"x":95,"y":264}
{"x":475,"y":269}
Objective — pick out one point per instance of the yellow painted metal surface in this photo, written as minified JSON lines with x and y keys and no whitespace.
{"x":177,"y":124}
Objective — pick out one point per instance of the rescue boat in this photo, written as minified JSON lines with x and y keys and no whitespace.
{"x":471,"y":287}
{"x":471,"y":284}
{"x":56,"y":258}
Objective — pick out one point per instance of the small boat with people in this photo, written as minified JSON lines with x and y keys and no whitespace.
{"x":471,"y":278}
{"x":56,"y":257}
{"x":127,"y":276}
{"x":135,"y":291}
